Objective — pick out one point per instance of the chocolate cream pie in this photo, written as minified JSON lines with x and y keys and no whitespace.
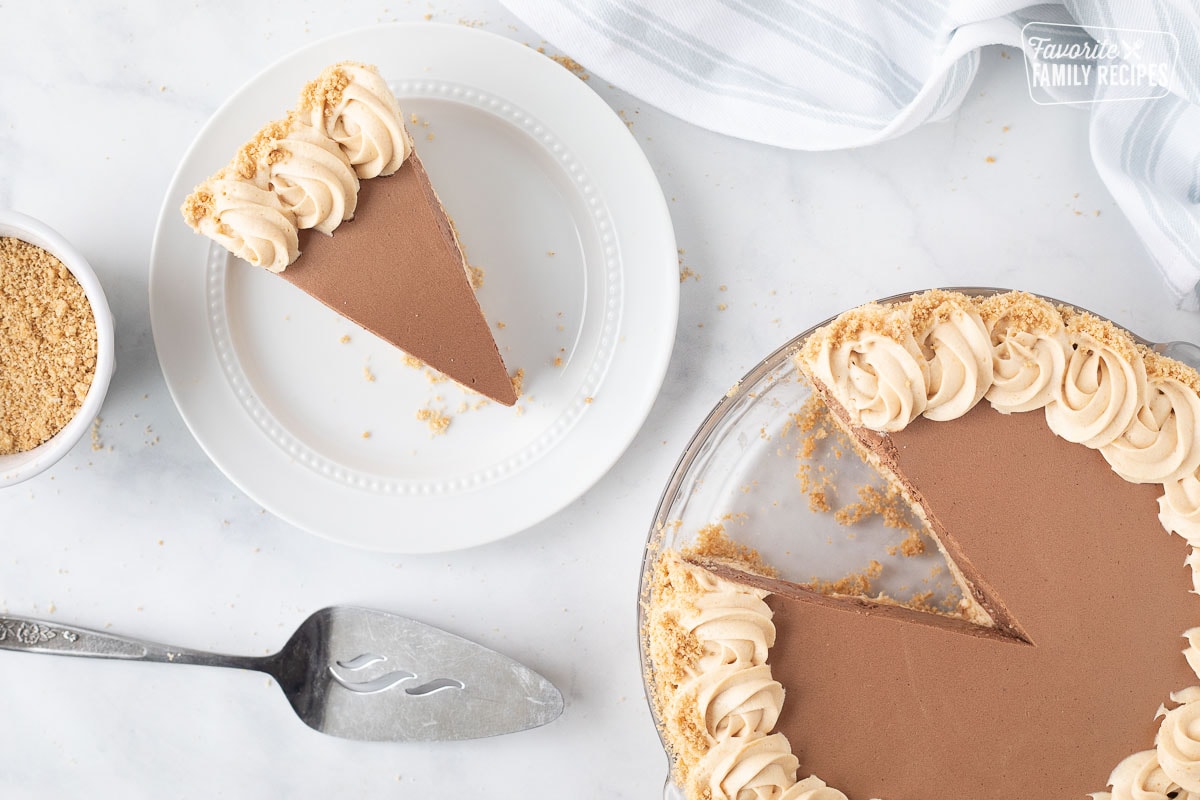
{"x":1067,"y":506}
{"x":334,"y":199}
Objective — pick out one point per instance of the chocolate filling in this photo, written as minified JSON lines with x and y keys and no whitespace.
{"x":1091,"y":598}
{"x":396,"y":269}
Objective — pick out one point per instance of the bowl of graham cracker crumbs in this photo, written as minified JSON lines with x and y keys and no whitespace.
{"x":56,"y":347}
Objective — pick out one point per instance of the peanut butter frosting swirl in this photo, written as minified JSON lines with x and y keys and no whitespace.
{"x":958,"y":349}
{"x":353,"y":106}
{"x":348,"y":126}
{"x":1104,"y":385}
{"x":1192,"y":651}
{"x":1193,"y":563}
{"x":245,"y":219}
{"x":1029,"y":351}
{"x":738,"y":702}
{"x":812,"y":788}
{"x":750,"y":769}
{"x":1178,"y":741}
{"x":1139,"y":777}
{"x":732,"y":624}
{"x":719,"y":704}
{"x":1179,"y":508}
{"x":873,"y":366}
{"x":1161,"y":443}
{"x":313,"y":179}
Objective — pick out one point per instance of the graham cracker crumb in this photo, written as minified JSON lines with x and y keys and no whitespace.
{"x":568,"y":63}
{"x":475,"y":275}
{"x":325,"y":91}
{"x":889,"y":321}
{"x":713,"y":543}
{"x":856,"y":583}
{"x":1160,"y":368}
{"x":936,"y":305}
{"x":1019,"y":311}
{"x":437,"y":420}
{"x":518,"y":381}
{"x":1082,"y":326}
{"x":47,"y":345}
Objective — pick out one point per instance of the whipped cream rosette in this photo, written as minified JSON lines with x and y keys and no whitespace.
{"x":246,"y":219}
{"x":735,"y":701}
{"x":1029,"y":351}
{"x":957,"y":347}
{"x":1139,"y":777}
{"x":874,"y":367}
{"x":732,"y":624}
{"x":312,"y":177}
{"x":1104,"y":385}
{"x":1178,"y":742}
{"x":758,"y":767}
{"x":812,"y":788}
{"x":1160,"y":444}
{"x":359,"y":113}
{"x":1179,"y":508}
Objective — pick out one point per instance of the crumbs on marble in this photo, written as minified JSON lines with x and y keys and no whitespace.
{"x":568,"y":63}
{"x":686,"y":272}
{"x":97,"y":442}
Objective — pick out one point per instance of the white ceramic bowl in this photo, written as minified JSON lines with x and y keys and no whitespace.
{"x":17,"y":467}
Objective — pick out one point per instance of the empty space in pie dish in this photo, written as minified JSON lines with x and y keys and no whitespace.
{"x":343,"y":401}
{"x":746,"y":477}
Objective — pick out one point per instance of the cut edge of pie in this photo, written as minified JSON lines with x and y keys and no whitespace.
{"x":877,"y":368}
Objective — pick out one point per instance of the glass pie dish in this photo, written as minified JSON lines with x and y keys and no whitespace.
{"x":751,"y":467}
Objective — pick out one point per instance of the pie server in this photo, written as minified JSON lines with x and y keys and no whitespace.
{"x":353,"y":672}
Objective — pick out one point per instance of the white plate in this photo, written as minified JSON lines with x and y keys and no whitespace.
{"x":553,"y":199}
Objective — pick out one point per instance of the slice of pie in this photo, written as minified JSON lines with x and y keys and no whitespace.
{"x":334,"y":200}
{"x":1074,"y":662}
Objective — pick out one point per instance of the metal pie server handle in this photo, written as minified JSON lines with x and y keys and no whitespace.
{"x":41,"y":636}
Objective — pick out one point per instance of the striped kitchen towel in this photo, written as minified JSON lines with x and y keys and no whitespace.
{"x":832,"y":74}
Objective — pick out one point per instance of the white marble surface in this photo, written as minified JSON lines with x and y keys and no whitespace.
{"x":97,"y":104}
